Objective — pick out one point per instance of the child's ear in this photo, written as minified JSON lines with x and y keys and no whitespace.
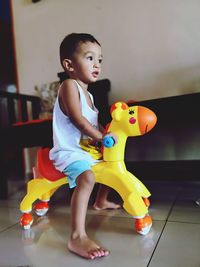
{"x":67,"y":64}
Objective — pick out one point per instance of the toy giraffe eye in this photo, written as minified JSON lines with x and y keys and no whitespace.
{"x":131,"y":112}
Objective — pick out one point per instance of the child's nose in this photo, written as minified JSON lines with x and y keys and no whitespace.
{"x":97,"y":64}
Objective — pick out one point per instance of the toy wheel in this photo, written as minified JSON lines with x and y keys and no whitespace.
{"x":143,"y":225}
{"x":26,"y":220}
{"x":41,"y":208}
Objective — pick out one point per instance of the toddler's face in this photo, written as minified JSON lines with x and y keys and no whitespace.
{"x":87,"y":61}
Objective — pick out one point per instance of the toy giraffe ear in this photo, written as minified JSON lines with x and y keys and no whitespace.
{"x":116,"y":110}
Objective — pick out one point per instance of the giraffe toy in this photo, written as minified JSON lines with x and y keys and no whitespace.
{"x":111,"y":171}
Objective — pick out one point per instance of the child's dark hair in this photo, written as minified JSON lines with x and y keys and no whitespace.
{"x":71,"y":42}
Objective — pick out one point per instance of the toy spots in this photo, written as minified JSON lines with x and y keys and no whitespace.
{"x":132,"y":120}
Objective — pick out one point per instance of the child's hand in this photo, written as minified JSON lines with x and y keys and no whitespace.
{"x":92,"y":142}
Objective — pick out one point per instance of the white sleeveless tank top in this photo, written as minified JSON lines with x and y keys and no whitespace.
{"x":66,"y":136}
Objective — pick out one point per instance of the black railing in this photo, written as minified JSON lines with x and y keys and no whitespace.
{"x":17,"y":107}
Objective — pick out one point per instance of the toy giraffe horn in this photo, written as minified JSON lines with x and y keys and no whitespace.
{"x":116,"y":110}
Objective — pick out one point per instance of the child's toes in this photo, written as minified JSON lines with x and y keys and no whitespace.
{"x":94,"y":254}
{"x":104,"y":252}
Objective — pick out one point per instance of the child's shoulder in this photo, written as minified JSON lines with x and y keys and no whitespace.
{"x":68,"y":88}
{"x":68,"y":83}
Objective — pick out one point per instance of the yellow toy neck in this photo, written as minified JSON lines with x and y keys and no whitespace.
{"x":115,"y":153}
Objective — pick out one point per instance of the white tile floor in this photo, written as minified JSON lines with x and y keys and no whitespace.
{"x":173,"y":241}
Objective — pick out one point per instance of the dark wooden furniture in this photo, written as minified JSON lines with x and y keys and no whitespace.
{"x":100,"y":91}
{"x":172,"y":149}
{"x":14,"y":108}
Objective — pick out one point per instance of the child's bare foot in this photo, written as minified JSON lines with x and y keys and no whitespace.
{"x":86,"y":248}
{"x":105,"y":205}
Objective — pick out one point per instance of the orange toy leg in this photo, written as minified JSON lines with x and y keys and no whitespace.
{"x":146,"y":201}
{"x":26,"y":220}
{"x":143,"y":225}
{"x":41,"y":208}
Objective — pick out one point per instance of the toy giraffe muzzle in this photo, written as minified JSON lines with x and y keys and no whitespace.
{"x":146,"y":119}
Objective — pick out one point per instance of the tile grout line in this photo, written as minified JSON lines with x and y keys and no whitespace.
{"x":166,"y":221}
{"x":9,"y":227}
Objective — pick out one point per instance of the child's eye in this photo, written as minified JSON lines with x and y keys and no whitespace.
{"x":90,"y":58}
{"x":100,"y":60}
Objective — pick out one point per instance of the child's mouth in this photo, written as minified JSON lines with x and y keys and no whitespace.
{"x":95,"y":74}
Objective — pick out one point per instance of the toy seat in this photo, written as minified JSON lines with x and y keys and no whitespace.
{"x":45,"y":166}
{"x":46,"y":181}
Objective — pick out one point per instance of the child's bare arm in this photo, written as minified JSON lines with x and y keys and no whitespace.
{"x":70,"y":104}
{"x":101,"y":128}
{"x":114,"y":136}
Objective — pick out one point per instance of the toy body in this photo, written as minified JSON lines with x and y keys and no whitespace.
{"x":126,"y":121}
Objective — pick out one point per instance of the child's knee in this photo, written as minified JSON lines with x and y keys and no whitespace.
{"x":87,"y":177}
{"x":78,"y":169}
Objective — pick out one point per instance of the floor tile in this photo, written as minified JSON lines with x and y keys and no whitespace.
{"x":160,"y":210}
{"x":16,"y":194}
{"x":178,"y":246}
{"x":45,"y":243}
{"x":174,"y":239}
{"x":185,"y":211}
{"x":8,"y":217}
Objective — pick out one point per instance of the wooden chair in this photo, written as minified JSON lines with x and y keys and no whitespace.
{"x":15,"y":110}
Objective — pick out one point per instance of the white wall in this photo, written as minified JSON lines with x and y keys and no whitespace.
{"x":151,"y":48}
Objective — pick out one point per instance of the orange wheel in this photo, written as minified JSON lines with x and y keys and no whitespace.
{"x":41,"y":208}
{"x":143,"y":225}
{"x":26,"y":220}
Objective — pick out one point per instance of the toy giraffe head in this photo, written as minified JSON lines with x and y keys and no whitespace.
{"x":127,"y":121}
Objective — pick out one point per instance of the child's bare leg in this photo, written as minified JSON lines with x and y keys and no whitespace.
{"x":101,"y":202}
{"x":79,"y":242}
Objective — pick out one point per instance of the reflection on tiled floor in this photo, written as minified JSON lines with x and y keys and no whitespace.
{"x":173,"y":241}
